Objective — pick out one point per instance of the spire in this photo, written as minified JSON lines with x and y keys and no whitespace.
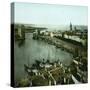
{"x":70,"y":26}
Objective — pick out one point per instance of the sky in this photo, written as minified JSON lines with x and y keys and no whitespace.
{"x":47,"y":14}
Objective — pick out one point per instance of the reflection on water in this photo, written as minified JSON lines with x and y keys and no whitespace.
{"x":28,"y":51}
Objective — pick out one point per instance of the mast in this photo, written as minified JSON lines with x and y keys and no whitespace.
{"x":28,"y":61}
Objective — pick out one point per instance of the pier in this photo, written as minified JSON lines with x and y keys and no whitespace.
{"x":75,"y":48}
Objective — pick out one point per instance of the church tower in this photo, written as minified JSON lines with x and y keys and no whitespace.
{"x":70,"y":26}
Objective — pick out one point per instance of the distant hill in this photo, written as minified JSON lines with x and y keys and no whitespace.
{"x":56,"y":27}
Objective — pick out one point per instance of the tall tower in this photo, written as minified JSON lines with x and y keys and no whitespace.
{"x":75,"y":28}
{"x":19,"y":31}
{"x":70,"y":26}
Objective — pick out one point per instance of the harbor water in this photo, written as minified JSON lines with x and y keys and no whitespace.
{"x":31,"y":50}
